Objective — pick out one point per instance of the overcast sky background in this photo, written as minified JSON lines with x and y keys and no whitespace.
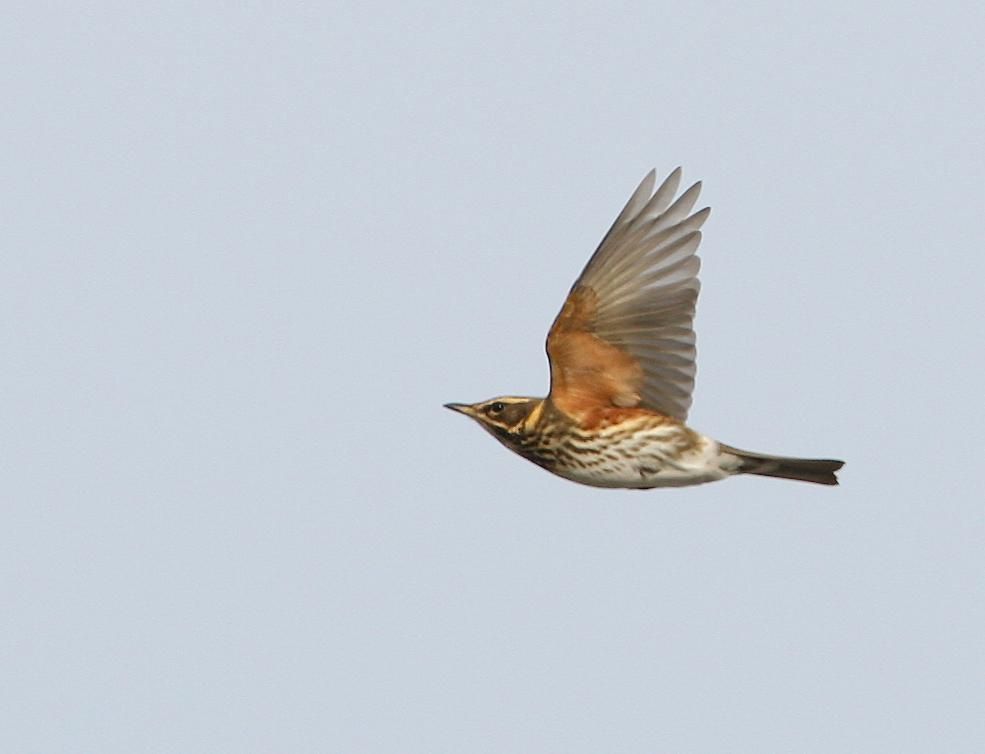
{"x":248,"y":253}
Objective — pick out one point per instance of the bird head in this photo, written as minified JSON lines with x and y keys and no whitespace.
{"x":502,"y":417}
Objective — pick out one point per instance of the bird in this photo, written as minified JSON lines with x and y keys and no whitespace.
{"x":622,"y":365}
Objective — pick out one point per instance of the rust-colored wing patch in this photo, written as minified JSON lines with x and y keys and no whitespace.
{"x":624,"y":338}
{"x":586,"y":371}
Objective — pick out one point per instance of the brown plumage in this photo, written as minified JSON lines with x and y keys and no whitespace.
{"x":622,"y":359}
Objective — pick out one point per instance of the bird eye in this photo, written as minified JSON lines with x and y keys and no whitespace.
{"x":496,"y":407}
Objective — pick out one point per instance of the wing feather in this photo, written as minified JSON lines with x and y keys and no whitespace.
{"x":624,"y":336}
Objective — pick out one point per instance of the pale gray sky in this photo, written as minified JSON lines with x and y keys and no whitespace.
{"x":248,"y":253}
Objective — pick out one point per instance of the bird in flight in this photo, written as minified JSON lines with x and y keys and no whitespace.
{"x":622,"y":356}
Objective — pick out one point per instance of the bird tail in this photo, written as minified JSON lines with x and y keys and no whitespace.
{"x":802,"y":469}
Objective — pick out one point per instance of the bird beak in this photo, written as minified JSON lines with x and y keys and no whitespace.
{"x":462,"y":408}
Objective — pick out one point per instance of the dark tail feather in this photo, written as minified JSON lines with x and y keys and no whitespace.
{"x":802,"y":469}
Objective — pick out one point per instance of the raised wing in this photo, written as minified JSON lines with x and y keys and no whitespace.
{"x":624,"y":336}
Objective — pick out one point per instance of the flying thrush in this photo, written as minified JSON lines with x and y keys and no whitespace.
{"x":622,"y":356}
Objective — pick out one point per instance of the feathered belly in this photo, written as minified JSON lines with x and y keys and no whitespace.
{"x":670,"y":456}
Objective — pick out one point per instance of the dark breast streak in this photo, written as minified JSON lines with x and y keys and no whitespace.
{"x":605,"y":436}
